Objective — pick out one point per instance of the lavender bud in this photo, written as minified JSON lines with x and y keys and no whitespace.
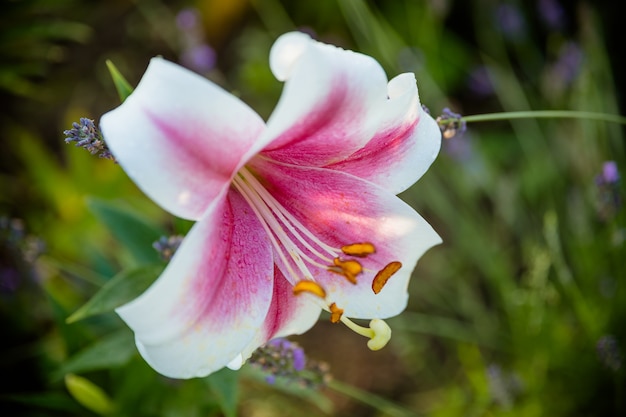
{"x":167,"y":246}
{"x":551,"y":13}
{"x":504,"y":386}
{"x":87,"y":136}
{"x":510,"y":21}
{"x":608,"y":352}
{"x":451,"y":123}
{"x":282,"y":359}
{"x":609,"y":197}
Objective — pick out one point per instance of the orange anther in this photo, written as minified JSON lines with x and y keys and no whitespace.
{"x":360,"y":250}
{"x":311,"y":287}
{"x":349,"y":269}
{"x":383,"y":276}
{"x":335,"y":313}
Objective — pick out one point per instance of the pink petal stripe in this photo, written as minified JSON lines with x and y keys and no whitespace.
{"x":405,"y":145}
{"x":330,"y":104}
{"x":209,"y":303}
{"x":288,"y":314}
{"x":180,"y":137}
{"x":342,"y":209}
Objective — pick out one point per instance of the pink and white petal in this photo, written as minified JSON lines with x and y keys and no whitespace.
{"x":341,"y":209}
{"x":330,"y":105}
{"x":405,"y":145}
{"x":180,"y":137}
{"x":211,"y":299}
{"x":288,"y":314}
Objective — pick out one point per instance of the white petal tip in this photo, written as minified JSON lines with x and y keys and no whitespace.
{"x":401,"y":84}
{"x":236,"y":363}
{"x":286,"y":51}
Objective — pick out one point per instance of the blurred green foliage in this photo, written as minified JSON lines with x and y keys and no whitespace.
{"x":520,"y":312}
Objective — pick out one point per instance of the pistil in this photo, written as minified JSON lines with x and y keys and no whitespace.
{"x":379,"y":332}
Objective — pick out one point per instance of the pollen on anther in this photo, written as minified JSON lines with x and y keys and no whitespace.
{"x":348,"y":268}
{"x":383,"y":276}
{"x":335,"y":313}
{"x":311,"y":287}
{"x":360,"y":250}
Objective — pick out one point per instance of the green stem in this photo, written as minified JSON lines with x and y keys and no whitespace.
{"x":546,"y":114}
{"x":565,"y":277}
{"x":381,"y":404}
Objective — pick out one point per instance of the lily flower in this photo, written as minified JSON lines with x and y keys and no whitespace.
{"x":293,"y":216}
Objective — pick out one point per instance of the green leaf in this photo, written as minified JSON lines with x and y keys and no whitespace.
{"x":225,"y":386}
{"x":88,"y":394}
{"x":39,"y":32}
{"x":111,"y":351}
{"x":124,"y":287}
{"x":47,"y":400}
{"x":383,"y":405}
{"x":123,"y":87}
{"x":312,"y":396}
{"x":136,"y":234}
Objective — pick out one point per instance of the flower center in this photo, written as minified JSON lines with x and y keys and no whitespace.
{"x":298,"y":249}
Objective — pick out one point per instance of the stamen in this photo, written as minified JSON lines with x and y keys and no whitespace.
{"x":335,"y":313}
{"x":360,"y":250}
{"x":383,"y":276}
{"x":246,"y":195}
{"x":349,"y":268}
{"x":311,"y":287}
{"x":288,"y":219}
{"x":250,"y":186}
{"x":379,"y":332}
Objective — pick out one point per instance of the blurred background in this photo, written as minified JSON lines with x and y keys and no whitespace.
{"x":520,"y":312}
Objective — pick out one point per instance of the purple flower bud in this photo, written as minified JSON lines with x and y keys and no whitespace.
{"x":9,"y":280}
{"x":569,"y":62}
{"x":167,"y":246}
{"x":451,"y":123}
{"x":200,"y":58}
{"x":610,"y":174}
{"x":299,"y":359}
{"x":510,"y":20}
{"x":608,"y":352}
{"x":609,"y":195}
{"x":188,"y":19}
{"x":87,"y":136}
{"x":504,"y":386}
{"x":480,"y":82}
{"x":281,"y":359}
{"x":18,"y":252}
{"x":551,"y":13}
